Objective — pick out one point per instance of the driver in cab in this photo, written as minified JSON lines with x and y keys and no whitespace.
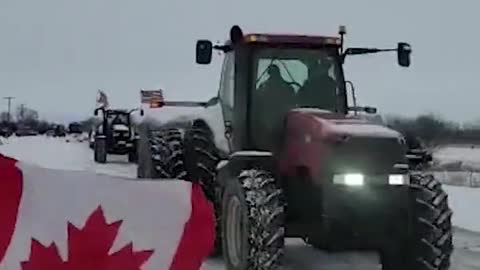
{"x":273,"y":99}
{"x":319,"y":90}
{"x":275,"y":87}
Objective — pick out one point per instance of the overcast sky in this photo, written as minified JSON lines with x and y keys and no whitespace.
{"x":55,"y":54}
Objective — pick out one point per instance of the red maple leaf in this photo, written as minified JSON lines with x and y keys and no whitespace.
{"x":88,"y":248}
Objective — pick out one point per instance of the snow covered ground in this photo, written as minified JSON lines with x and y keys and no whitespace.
{"x":58,"y":154}
{"x":458,"y":165}
{"x":465,"y":157}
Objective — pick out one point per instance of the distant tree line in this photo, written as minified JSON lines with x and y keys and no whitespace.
{"x":24,"y":116}
{"x":434,"y":130}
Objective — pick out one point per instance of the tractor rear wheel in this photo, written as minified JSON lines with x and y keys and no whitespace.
{"x":430,"y":244}
{"x":132,"y":156}
{"x":144,"y":165}
{"x":253,"y":222}
{"x":166,"y":147}
{"x":160,"y":155}
{"x":100,"y":150}
{"x":133,"y":153}
{"x":201,"y":159}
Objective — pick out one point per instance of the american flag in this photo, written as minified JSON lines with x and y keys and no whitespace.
{"x":152,"y":97}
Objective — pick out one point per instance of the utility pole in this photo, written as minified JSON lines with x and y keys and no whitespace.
{"x":9,"y":100}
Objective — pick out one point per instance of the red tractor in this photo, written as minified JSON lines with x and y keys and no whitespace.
{"x":280,"y":154}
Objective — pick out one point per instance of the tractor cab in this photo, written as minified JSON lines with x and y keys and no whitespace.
{"x":115,"y":120}
{"x":114,"y":135}
{"x":265,"y":76}
{"x":118,"y":119}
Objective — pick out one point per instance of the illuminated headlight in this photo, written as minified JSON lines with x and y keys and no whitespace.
{"x":350,"y":179}
{"x":398,"y":179}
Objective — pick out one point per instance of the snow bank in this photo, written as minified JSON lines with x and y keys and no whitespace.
{"x":462,"y":201}
{"x":457,"y":165}
{"x":56,"y":153}
{"x":460,"y":158}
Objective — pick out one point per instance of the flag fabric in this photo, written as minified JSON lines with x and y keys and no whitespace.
{"x":73,"y":220}
{"x":154,"y":98}
{"x":102,"y":100}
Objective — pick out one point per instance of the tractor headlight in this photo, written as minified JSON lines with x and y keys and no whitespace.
{"x":349,"y":179}
{"x":398,"y":179}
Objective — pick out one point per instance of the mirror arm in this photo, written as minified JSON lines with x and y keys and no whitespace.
{"x":357,"y":51}
{"x":223,"y":48}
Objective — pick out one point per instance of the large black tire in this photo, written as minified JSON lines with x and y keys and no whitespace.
{"x":166,"y":147}
{"x":100,"y":150}
{"x":144,"y":164}
{"x":201,"y":159}
{"x":253,"y":222}
{"x":133,"y":153}
{"x":161,"y":156}
{"x":430,"y":245}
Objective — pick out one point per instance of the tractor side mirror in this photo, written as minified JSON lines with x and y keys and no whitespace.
{"x":142,"y":112}
{"x":403,"y":53}
{"x":204,"y":51}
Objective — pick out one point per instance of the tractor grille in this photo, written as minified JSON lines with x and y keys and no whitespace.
{"x":367,"y":155}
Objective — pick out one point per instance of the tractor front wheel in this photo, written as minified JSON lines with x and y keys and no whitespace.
{"x":100,"y":150}
{"x":253,"y":222}
{"x":133,"y":154}
{"x":430,"y":244}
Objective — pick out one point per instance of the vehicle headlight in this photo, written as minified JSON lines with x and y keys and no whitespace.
{"x":349,"y":179}
{"x":398,"y":179}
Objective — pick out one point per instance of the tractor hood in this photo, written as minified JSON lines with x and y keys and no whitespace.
{"x":334,"y":124}
{"x":360,"y":128}
{"x":351,"y":144}
{"x":120,"y":127}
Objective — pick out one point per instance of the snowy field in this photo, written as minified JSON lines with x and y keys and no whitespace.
{"x":458,"y":165}
{"x":56,"y":153}
{"x":465,"y":157}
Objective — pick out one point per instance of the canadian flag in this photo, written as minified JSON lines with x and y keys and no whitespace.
{"x":66,"y":220}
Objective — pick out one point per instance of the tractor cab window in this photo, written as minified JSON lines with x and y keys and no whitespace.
{"x":227,"y":81}
{"x":305,"y":77}
{"x":115,"y":119}
{"x":287,"y":78}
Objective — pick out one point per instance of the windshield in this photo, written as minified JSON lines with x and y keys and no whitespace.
{"x":118,"y":119}
{"x":298,"y":76}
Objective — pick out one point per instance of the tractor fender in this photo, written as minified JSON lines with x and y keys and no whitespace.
{"x":230,"y":168}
